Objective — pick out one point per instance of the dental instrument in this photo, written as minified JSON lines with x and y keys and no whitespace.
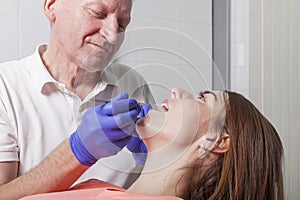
{"x":109,"y":100}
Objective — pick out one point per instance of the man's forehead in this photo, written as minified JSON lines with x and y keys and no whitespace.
{"x":122,"y":5}
{"x":108,"y":2}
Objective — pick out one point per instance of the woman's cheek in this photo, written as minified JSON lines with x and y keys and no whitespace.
{"x":205,"y":118}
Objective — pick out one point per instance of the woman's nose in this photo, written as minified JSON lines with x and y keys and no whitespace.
{"x":180,"y":93}
{"x":176,"y":93}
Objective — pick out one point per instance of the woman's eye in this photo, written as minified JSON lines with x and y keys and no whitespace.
{"x":201,"y":96}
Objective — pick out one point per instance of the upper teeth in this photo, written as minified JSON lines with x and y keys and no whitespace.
{"x":164,"y":106}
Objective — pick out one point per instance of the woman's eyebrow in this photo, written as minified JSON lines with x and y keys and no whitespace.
{"x":209,"y":92}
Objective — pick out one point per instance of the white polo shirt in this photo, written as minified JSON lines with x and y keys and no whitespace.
{"x":37,"y":113}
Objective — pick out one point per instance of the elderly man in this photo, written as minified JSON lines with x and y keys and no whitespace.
{"x":54,"y":121}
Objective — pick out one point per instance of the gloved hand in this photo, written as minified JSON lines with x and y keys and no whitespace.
{"x":136,"y":144}
{"x":105,"y":129}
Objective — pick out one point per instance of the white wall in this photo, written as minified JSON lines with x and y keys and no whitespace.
{"x":270,"y":32}
{"x":170,"y":43}
{"x":170,"y":40}
{"x":240,"y":46}
{"x":280,"y":81}
{"x":23,"y":26}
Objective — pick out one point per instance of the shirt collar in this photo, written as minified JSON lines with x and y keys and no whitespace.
{"x":109,"y":77}
{"x":41,"y":75}
{"x":35,"y":66}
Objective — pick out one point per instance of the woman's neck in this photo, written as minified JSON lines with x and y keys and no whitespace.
{"x":162,"y":174}
{"x":161,"y":182}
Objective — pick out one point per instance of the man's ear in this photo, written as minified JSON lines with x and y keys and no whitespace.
{"x":49,"y":9}
{"x":223,"y":144}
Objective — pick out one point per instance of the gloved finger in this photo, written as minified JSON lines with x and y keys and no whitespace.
{"x":140,"y":158}
{"x":124,"y":106}
{"x":143,"y":147}
{"x":119,"y":121}
{"x":137,"y":145}
{"x":124,"y":119}
{"x":146,"y":107}
{"x":120,"y":133}
{"x":106,"y":149}
{"x":122,"y":95}
{"x":129,"y":130}
{"x":122,"y":142}
{"x":116,"y":107}
{"x":144,"y":110}
{"x":134,"y":145}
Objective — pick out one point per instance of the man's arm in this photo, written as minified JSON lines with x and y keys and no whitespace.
{"x":57,"y":172}
{"x":8,"y":171}
{"x":103,"y":132}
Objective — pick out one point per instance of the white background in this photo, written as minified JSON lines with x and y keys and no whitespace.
{"x":176,"y":54}
{"x":265,"y":67}
{"x":168,"y":41}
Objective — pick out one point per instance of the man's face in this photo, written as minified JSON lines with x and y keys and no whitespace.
{"x":90,"y":32}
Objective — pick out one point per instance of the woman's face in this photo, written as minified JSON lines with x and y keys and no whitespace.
{"x":184,"y":119}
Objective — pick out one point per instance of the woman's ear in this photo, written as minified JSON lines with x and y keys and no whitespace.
{"x":223,"y":144}
{"x":49,"y":9}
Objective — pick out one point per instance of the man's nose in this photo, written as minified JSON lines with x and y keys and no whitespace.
{"x":110,"y":30}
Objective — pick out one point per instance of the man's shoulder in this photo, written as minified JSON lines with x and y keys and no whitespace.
{"x":10,"y":70}
{"x":118,"y":68}
{"x":14,"y":72}
{"x":132,"y":81}
{"x":9,"y":65}
{"x":14,"y":66}
{"x":125,"y":72}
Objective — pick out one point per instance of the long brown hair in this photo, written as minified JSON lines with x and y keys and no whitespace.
{"x":250,"y":169}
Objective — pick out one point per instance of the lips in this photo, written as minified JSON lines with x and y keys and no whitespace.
{"x":102,"y":47}
{"x":99,"y":42}
{"x":165,"y":105}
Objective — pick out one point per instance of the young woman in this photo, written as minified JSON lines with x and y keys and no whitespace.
{"x":215,"y":145}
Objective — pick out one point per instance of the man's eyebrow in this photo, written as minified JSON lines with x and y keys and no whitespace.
{"x":210,"y":92}
{"x":88,"y":4}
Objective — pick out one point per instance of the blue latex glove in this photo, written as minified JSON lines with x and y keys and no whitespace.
{"x":105,"y":129}
{"x":136,"y":144}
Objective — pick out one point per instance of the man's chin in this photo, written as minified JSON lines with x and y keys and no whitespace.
{"x":94,"y":65}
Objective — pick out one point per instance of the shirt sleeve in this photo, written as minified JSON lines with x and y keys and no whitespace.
{"x":131,"y":81}
{"x":148,"y":95}
{"x":8,"y":139}
{"x":139,"y":88}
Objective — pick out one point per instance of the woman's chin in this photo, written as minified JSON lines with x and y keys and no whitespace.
{"x":143,"y":121}
{"x":150,"y":125}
